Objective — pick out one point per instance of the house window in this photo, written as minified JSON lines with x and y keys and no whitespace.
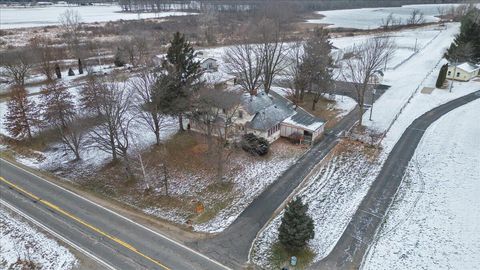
{"x":458,"y":74}
{"x":274,"y":129}
{"x":449,"y":73}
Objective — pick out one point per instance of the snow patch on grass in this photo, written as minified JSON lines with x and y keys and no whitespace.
{"x":333,"y":195}
{"x":20,"y":240}
{"x":434,"y":221}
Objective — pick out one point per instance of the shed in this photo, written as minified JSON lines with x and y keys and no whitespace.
{"x":463,"y":72}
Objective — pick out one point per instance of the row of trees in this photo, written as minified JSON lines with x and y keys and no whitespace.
{"x":233,"y":5}
{"x":109,"y":107}
{"x":392,"y":22}
{"x":114,"y":104}
{"x":307,"y":65}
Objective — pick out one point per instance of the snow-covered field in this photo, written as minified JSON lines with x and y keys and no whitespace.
{"x":371,"y":18}
{"x":407,"y":43}
{"x":434,"y":222}
{"x":333,"y":195}
{"x":44,"y":16}
{"x":408,"y":79}
{"x":20,"y":240}
{"x":326,"y":192}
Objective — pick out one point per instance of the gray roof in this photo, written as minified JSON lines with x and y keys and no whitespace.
{"x":272,"y":109}
{"x":254,"y":104}
{"x":304,"y":118}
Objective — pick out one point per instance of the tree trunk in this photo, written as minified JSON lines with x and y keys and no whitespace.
{"x":180,"y":122}
{"x":114,"y":148}
{"x":128,"y":167}
{"x":220,"y":164}
{"x":360,"y":114}
{"x":313,"y":104}
{"x":29,"y":131}
{"x":165,"y":179}
{"x":77,"y":153}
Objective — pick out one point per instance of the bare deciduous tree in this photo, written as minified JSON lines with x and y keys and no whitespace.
{"x":416,"y":17}
{"x":115,"y":106}
{"x":73,"y":135}
{"x":57,"y":103}
{"x":142,"y":46}
{"x":246,"y":61}
{"x":45,"y":54}
{"x":149,"y":110}
{"x":128,"y":47}
{"x":215,"y":114}
{"x":17,"y":66}
{"x":90,"y":94}
{"x":297,"y":79}
{"x":391,"y":22}
{"x":273,"y":52}
{"x":366,"y":58}
{"x":71,"y":22}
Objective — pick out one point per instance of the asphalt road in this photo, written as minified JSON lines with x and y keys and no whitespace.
{"x":360,"y":232}
{"x":111,"y":239}
{"x":233,"y":244}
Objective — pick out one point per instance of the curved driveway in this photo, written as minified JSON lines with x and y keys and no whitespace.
{"x":349,"y":251}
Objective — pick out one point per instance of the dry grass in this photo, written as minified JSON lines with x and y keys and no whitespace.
{"x":323,"y":109}
{"x":348,"y":146}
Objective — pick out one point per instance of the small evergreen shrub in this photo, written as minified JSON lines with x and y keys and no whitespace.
{"x":254,"y":145}
{"x":118,"y":61}
{"x":297,"y":226}
{"x":442,"y":76}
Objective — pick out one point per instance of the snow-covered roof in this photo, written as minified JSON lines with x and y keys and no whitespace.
{"x":304,"y":120}
{"x":217,"y":77}
{"x":272,"y":109}
{"x":468,"y":67}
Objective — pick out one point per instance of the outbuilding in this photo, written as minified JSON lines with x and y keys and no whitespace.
{"x":463,"y":72}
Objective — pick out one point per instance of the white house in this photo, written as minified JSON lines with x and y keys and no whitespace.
{"x":209,"y":64}
{"x":271,"y":116}
{"x":463,"y":72}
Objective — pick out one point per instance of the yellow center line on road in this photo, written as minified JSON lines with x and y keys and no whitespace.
{"x":91,"y":227}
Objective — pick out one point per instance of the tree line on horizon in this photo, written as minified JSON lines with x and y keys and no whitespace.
{"x":248,"y":5}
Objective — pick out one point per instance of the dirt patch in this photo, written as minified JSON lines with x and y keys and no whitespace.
{"x":427,"y":90}
{"x":323,"y":109}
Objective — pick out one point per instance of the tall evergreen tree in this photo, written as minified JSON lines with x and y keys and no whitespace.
{"x":57,"y":103}
{"x":442,"y":76}
{"x":80,"y":66}
{"x":58,"y":71}
{"x":297,"y":227}
{"x":119,"y":60}
{"x":318,"y":64}
{"x":22,"y":113}
{"x":183,"y":73}
{"x":466,"y":46}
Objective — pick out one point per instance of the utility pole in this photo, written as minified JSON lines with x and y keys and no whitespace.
{"x":454,"y":74}
{"x":373,"y":100}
